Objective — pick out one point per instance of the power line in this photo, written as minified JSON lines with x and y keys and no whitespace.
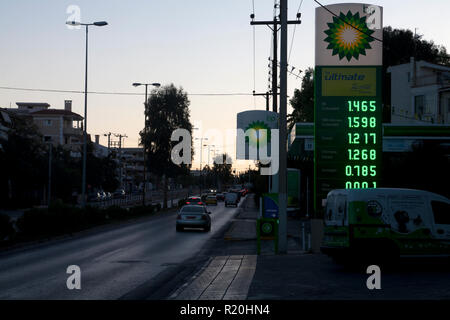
{"x":293,"y":33}
{"x":117,"y":93}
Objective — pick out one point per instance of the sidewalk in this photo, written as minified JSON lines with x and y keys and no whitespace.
{"x":235,"y":271}
{"x":230,"y":272}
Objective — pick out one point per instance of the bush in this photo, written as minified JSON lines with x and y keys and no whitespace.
{"x":141,"y":210}
{"x":94,"y":215}
{"x":116,"y":212}
{"x":57,"y":219}
{"x":6,"y":227}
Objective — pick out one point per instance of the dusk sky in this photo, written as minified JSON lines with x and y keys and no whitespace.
{"x":204,"y":46}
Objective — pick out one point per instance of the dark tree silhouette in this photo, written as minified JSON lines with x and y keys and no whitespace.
{"x":167,"y":110}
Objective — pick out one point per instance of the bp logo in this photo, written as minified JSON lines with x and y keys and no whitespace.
{"x":349,"y":36}
{"x":254,"y":137}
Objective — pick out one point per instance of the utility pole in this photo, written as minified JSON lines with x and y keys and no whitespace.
{"x":282,"y":172}
{"x":120,"y":136}
{"x":275,"y":29}
{"x":109,"y":139}
{"x":282,"y":193}
{"x":275,"y":23}
{"x":266,"y":95}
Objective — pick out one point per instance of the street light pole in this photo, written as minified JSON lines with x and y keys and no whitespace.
{"x":83,"y":183}
{"x":201,"y":153}
{"x":50,"y":147}
{"x":137,"y":84}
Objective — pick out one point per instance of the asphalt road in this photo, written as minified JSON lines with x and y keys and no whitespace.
{"x":113,"y":262}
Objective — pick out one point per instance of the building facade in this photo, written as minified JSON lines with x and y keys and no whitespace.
{"x":57,"y":126}
{"x":420,"y":93}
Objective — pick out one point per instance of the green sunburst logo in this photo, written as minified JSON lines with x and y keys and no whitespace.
{"x":349,"y":36}
{"x":264,"y":137}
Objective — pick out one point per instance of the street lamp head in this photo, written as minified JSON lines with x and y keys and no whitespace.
{"x":137,"y":84}
{"x":73,"y":23}
{"x":100,"y":23}
{"x":156,"y":84}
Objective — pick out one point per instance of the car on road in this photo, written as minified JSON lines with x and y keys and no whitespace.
{"x":103,"y":195}
{"x":211,"y":199}
{"x":193,"y":216}
{"x":231,"y":199}
{"x":94,"y":197}
{"x":220,"y":196}
{"x":194,"y":201}
{"x":119,"y":194}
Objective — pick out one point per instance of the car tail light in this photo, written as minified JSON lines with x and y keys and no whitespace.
{"x":188,"y":202}
{"x":200,"y":203}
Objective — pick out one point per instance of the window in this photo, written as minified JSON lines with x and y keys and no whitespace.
{"x":419,"y":105}
{"x":441,"y":212}
{"x":341,"y":204}
{"x":48,"y":123}
{"x":329,"y":209}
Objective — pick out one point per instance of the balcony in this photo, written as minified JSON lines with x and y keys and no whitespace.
{"x":70,"y":131}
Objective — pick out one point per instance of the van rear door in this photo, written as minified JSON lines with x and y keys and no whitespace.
{"x":441,"y":216}
{"x":336,"y":210}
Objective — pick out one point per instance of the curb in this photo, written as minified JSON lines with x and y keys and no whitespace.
{"x":228,"y":236}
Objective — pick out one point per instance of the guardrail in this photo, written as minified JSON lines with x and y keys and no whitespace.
{"x":153,"y":197}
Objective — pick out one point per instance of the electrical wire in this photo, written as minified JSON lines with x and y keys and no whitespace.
{"x":117,"y":93}
{"x":293,"y":33}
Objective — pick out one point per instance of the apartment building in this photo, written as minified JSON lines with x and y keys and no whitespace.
{"x":57,"y":126}
{"x":420,"y":93}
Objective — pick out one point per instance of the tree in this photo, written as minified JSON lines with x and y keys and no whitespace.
{"x":26,"y":158}
{"x":167,"y":110}
{"x":400,"y":44}
{"x":21,"y":180}
{"x":303,"y":101}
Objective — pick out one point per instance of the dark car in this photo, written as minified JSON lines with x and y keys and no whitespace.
{"x":94,"y":197}
{"x":193,"y":216}
{"x":220,"y":197}
{"x":119,"y":194}
{"x":195,"y":201}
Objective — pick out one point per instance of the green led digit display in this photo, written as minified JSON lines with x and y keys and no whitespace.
{"x":361,"y":163}
{"x":348,"y":130}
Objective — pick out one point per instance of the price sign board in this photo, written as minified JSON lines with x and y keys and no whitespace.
{"x":348,"y":102}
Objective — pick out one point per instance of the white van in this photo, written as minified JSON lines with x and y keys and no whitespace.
{"x":386,"y":223}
